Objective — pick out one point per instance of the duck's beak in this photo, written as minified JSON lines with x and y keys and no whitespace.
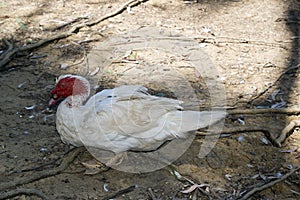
{"x":52,"y":102}
{"x":55,"y":101}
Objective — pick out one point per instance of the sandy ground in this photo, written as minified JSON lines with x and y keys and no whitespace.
{"x":252,"y":44}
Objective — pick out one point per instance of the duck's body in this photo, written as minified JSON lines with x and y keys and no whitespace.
{"x":124,"y":118}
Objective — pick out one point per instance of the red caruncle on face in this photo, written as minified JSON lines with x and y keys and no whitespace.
{"x":64,"y":88}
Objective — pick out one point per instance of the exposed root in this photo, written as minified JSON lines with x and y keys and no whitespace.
{"x":244,"y":129}
{"x":250,"y":129}
{"x":276,"y":141}
{"x":283,"y":111}
{"x":287,"y":131}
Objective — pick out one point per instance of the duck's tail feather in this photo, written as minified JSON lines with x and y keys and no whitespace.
{"x":192,"y":120}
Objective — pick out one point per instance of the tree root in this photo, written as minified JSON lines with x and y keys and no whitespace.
{"x":282,"y":111}
{"x":10,"y":52}
{"x":268,"y":185}
{"x":275,"y":141}
{"x":44,"y":174}
{"x":287,"y":131}
{"x":227,"y":40}
{"x":26,"y":191}
{"x":244,"y":129}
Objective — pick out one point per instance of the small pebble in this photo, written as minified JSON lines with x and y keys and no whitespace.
{"x":290,"y":166}
{"x":228,"y":177}
{"x":63,"y":66}
{"x":43,"y":150}
{"x":26,"y":133}
{"x":31,"y":117}
{"x":241,"y":138}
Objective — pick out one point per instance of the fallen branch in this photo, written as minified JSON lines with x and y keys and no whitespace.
{"x":268,"y":185}
{"x":46,"y":173}
{"x":26,"y":191}
{"x":9,"y":54}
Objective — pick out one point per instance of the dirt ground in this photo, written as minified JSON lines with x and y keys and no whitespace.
{"x":254,"y":45}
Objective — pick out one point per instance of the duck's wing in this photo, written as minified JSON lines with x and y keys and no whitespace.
{"x":128,"y":117}
{"x":130,"y":103}
{"x":124,"y":91}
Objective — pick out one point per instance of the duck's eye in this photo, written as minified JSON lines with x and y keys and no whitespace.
{"x":63,"y":85}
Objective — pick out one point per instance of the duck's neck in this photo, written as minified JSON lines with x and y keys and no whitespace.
{"x":81,"y":92}
{"x":75,"y":101}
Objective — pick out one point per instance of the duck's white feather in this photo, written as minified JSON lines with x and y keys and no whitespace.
{"x":128,"y":118}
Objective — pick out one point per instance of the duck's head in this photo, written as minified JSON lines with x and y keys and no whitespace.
{"x":69,"y":85}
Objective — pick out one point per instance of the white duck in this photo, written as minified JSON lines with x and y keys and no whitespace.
{"x":121,"y":119}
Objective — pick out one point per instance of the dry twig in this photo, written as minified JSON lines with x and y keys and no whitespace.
{"x":121,"y":192}
{"x":26,"y":191}
{"x":68,"y":23}
{"x":226,"y":40}
{"x":151,"y":194}
{"x":9,"y":54}
{"x":173,"y":169}
{"x":270,"y":86}
{"x":130,"y":3}
{"x":44,"y":174}
{"x":37,"y":168}
{"x":268,"y":185}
